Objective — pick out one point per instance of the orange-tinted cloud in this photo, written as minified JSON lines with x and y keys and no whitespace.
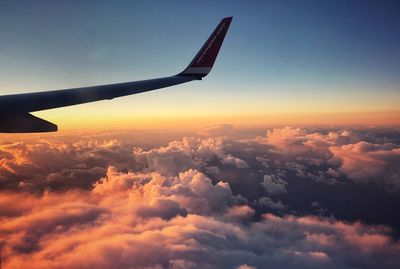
{"x":121,"y":206}
{"x":356,"y":155}
{"x":146,"y":220}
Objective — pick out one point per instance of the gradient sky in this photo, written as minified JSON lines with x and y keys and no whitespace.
{"x":282,"y":61}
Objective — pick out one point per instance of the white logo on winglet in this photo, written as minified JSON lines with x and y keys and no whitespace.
{"x":210,"y":43}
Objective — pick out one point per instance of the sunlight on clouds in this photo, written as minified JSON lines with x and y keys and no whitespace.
{"x":85,"y":200}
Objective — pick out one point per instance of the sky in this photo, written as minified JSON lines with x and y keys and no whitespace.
{"x":282,"y":62}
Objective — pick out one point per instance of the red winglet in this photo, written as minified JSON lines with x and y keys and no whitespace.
{"x":204,"y":60}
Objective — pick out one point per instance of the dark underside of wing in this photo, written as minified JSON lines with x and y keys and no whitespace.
{"x":25,"y":123}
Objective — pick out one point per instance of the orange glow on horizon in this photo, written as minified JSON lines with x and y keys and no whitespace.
{"x":118,"y":121}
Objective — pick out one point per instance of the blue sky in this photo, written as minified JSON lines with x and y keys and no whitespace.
{"x":340,"y":55}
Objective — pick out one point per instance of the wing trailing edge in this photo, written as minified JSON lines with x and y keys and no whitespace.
{"x":25,"y":123}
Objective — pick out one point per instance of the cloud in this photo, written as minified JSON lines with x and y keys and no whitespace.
{"x":188,"y":153}
{"x":229,"y":159}
{"x":274,"y":184}
{"x":191,"y":189}
{"x":162,"y":208}
{"x":269,"y":203}
{"x":370,"y":162}
{"x":59,"y":165}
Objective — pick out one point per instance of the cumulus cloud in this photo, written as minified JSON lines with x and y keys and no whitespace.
{"x":58,"y":164}
{"x":367,"y":161}
{"x":229,"y":159}
{"x":187,"y":153}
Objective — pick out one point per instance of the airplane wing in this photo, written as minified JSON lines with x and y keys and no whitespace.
{"x":15,"y":109}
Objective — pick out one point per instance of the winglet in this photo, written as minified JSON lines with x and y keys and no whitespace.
{"x":204,"y":60}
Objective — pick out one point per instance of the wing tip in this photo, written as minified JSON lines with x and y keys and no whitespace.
{"x":204,"y":60}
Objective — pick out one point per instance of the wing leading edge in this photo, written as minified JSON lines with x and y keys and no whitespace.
{"x":15,"y":109}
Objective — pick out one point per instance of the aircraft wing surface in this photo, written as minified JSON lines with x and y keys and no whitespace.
{"x":15,"y":109}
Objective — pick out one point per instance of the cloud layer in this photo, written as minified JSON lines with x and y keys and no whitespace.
{"x":198,"y":202}
{"x":146,"y":220}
